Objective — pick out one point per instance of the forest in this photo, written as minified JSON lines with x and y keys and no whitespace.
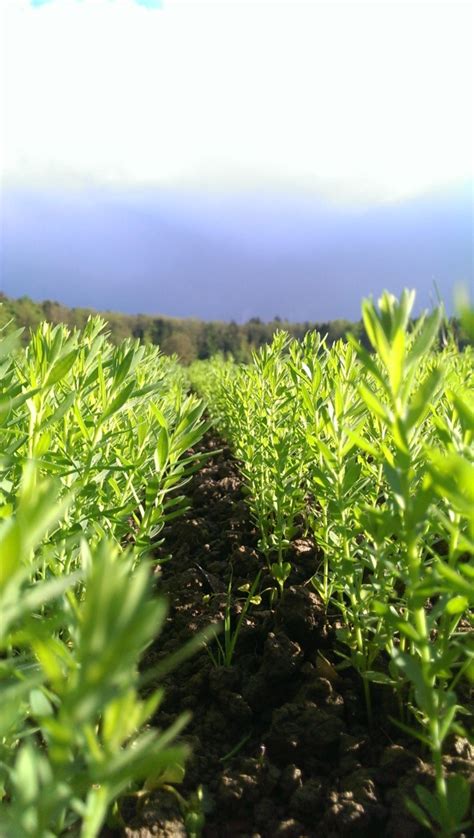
{"x":189,"y":338}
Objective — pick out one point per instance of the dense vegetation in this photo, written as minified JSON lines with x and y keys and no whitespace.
{"x":93,"y":440}
{"x":370,"y":454}
{"x":189,"y":338}
{"x":373,"y":456}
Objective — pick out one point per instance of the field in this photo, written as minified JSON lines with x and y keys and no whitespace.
{"x":237,"y":599}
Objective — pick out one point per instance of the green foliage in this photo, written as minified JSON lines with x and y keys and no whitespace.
{"x":369,"y":449}
{"x":93,"y":439}
{"x":255,"y":407}
{"x":111,"y":424}
{"x":365,"y":445}
{"x":226,"y":646}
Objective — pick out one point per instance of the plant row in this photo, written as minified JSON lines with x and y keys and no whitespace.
{"x":372,"y":455}
{"x":96,"y":443}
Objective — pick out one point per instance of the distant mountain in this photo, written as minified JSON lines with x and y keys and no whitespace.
{"x":231,"y":256}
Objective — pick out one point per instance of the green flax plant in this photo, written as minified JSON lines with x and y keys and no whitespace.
{"x":270,"y":446}
{"x":93,"y":439}
{"x":338,"y":481}
{"x":212,"y":380}
{"x":267,"y":439}
{"x":404,"y":389}
{"x":72,"y":735}
{"x":373,"y":451}
{"x":225,"y":646}
{"x":254,"y":407}
{"x":113,"y":424}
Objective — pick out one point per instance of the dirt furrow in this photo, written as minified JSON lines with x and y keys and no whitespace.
{"x":279,"y":739}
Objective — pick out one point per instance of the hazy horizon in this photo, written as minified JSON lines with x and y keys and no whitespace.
{"x":232,"y":257}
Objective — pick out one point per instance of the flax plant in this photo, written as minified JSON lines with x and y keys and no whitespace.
{"x":72,"y":736}
{"x":259,"y":414}
{"x":425,"y":647}
{"x":93,"y":439}
{"x":338,"y":480}
{"x":113,"y":424}
{"x":373,"y":453}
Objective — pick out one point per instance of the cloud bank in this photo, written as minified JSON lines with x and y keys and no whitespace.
{"x":359,"y":101}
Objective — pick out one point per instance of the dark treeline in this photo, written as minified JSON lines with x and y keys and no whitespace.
{"x":189,"y":338}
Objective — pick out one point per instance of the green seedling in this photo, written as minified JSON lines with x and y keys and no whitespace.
{"x":230,"y":634}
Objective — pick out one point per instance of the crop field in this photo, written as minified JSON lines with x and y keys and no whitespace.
{"x":236,"y":600}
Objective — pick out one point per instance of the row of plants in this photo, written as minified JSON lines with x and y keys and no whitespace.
{"x":372,"y":454}
{"x":96,"y":445}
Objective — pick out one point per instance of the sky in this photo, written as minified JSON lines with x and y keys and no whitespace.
{"x":356,"y":105}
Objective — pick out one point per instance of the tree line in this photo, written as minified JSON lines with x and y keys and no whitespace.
{"x":189,"y":338}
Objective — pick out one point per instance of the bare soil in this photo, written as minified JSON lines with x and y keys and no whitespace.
{"x":280,"y":741}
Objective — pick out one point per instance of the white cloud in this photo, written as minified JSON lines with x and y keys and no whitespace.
{"x":365,"y":99}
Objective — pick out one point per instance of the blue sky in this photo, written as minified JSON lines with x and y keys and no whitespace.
{"x":244,"y":122}
{"x":229,"y":256}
